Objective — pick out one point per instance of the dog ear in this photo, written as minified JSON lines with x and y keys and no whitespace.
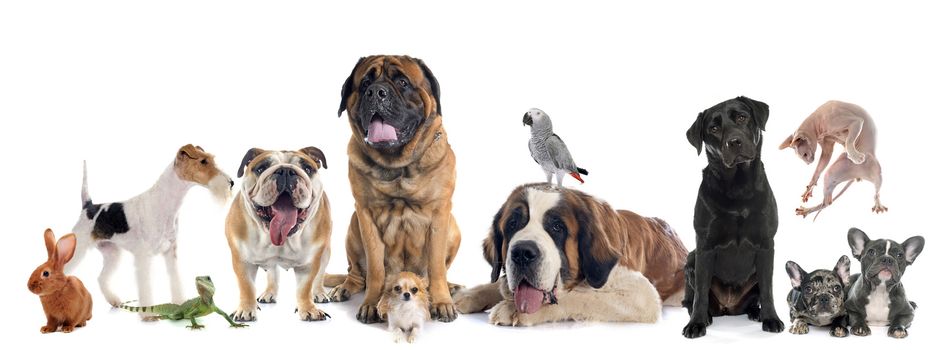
{"x":760,"y":111}
{"x":492,"y":246}
{"x":49,"y":238}
{"x":597,"y":257}
{"x":434,"y":85}
{"x":796,"y":273}
{"x":695,"y":135}
{"x":349,"y":86}
{"x":857,"y":240}
{"x":316,"y":154}
{"x":913,"y":246}
{"x":189,"y":151}
{"x":248,"y":157}
{"x":842,"y":269}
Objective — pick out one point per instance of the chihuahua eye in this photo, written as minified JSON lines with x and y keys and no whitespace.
{"x":45,"y":274}
{"x":413,"y":290}
{"x":397,"y":289}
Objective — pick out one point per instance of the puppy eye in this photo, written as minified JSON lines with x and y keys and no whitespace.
{"x":365,"y":82}
{"x":397,"y":289}
{"x":45,"y":274}
{"x":808,"y":290}
{"x":836,"y":288}
{"x":403,"y":83}
{"x":870,"y":251}
{"x":899,"y":255}
{"x":413,"y":290}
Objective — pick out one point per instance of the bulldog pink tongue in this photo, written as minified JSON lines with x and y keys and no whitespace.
{"x":528,"y":299}
{"x":283,"y":221}
{"x":378,"y":131}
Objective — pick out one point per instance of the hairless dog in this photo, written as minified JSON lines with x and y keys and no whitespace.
{"x":850,"y":126}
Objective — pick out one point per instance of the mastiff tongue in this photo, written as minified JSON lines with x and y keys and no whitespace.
{"x":378,"y":131}
{"x":528,"y":299}
{"x":284,"y":218}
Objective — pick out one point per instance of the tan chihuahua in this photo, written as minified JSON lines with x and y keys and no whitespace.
{"x":406,"y":305}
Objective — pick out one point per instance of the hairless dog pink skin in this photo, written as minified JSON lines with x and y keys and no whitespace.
{"x":848,"y":125}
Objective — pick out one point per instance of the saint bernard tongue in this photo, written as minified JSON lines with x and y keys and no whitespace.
{"x":529,"y":299}
{"x":379,"y":131}
{"x":284,"y":219}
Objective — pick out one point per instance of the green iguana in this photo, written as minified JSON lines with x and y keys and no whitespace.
{"x":192,"y":308}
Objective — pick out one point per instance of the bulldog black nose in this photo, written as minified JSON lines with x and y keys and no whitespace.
{"x":824,"y":299}
{"x":887,"y":260}
{"x":377,"y":89}
{"x":734,"y":142}
{"x":286,"y":179}
{"x":406,"y":296}
{"x":525,"y":252}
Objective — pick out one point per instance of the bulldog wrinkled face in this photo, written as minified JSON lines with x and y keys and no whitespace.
{"x":883,"y":260}
{"x":534,"y":261}
{"x":282,"y":188}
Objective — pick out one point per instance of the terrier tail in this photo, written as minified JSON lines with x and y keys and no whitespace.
{"x":85,"y":197}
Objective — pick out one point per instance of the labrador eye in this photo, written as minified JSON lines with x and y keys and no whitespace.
{"x":397,"y":289}
{"x":413,"y":290}
{"x":741,"y":118}
{"x":808,"y":290}
{"x":714,"y":129}
{"x":45,"y":274}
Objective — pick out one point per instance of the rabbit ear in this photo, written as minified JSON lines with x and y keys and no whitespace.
{"x":50,"y":242}
{"x":64,"y":250}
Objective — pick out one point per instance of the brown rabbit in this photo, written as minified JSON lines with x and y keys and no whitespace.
{"x":64,"y":298}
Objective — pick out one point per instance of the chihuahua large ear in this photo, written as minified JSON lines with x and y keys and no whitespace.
{"x":349,"y":86}
{"x":695,"y":135}
{"x":796,"y":274}
{"x":597,"y":256}
{"x":49,"y":238}
{"x":760,"y":111}
{"x":317,"y":155}
{"x":913,"y":246}
{"x":492,"y":246}
{"x":64,"y":250}
{"x":842,"y":269}
{"x":857,"y":240}
{"x":248,"y":157}
{"x":434,"y":85}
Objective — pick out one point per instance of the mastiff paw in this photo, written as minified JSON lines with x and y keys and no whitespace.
{"x":443,"y":312}
{"x":368,"y":313}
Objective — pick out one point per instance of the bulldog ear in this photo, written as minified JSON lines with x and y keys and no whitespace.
{"x":492,"y":246}
{"x":248,"y":157}
{"x":760,"y":111}
{"x":597,"y":257}
{"x":796,"y":274}
{"x":857,"y":240}
{"x":349,"y":86}
{"x":695,"y":134}
{"x":913,"y":246}
{"x":842,"y":269}
{"x":317,"y":155}
{"x":434,"y":85}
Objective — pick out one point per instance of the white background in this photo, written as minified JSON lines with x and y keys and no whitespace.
{"x":124,"y":84}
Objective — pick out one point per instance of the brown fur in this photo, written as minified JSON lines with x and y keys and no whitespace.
{"x":65,"y":300}
{"x":402,"y":219}
{"x":195,"y":165}
{"x":405,"y":280}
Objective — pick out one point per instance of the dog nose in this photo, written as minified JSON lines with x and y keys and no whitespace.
{"x":734,"y":142}
{"x":887,"y":260}
{"x":525,"y":252}
{"x":286,"y":179}
{"x":824,"y":299}
{"x":406,"y":295}
{"x":377,"y":89}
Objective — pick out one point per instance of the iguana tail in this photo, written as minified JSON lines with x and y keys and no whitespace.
{"x":161,"y":309}
{"x":332,"y":281}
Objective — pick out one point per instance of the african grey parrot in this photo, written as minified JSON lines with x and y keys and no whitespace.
{"x":548,"y":149}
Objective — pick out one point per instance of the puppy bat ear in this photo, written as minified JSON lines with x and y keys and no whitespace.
{"x":789,"y":142}
{"x":597,"y":257}
{"x":842,"y":269}
{"x":49,"y":238}
{"x":434,"y":85}
{"x":796,"y":274}
{"x":913,"y":246}
{"x":248,"y":157}
{"x":857,"y":240}
{"x":492,"y":246}
{"x":695,"y":135}
{"x":317,"y":155}
{"x":760,"y":111}
{"x":64,"y":250}
{"x":349,"y":86}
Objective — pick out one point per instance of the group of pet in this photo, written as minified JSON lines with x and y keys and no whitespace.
{"x":556,"y":254}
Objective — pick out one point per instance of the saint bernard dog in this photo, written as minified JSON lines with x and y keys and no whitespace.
{"x":569,"y":256}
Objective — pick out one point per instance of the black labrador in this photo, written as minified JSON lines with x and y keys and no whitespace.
{"x":730,"y":272}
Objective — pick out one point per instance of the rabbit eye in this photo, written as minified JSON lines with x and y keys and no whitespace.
{"x":413,"y":290}
{"x":45,"y":274}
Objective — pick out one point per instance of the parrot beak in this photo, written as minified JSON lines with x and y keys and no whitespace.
{"x":527,"y":119}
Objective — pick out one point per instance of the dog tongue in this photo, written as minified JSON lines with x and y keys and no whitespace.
{"x":528,"y":299}
{"x":283,"y":221}
{"x":378,"y":131}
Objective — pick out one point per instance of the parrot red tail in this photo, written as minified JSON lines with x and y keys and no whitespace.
{"x":577,"y":177}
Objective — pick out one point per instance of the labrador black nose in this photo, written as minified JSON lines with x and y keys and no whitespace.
{"x":406,"y":296}
{"x":378,"y":90}
{"x":525,"y":252}
{"x":286,"y":179}
{"x":734,"y":142}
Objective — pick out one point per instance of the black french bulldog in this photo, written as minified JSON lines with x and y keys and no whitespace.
{"x":730,"y":272}
{"x":877,"y":296}
{"x":818,"y":298}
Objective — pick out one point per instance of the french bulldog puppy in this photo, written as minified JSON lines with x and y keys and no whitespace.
{"x":877,"y":296}
{"x":818,"y":298}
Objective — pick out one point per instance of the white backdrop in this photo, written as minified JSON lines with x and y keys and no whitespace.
{"x":124,"y":84}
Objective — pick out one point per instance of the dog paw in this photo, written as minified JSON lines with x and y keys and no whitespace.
{"x":695,"y":330}
{"x":443,"y":312}
{"x":465,"y":302}
{"x":311,"y":313}
{"x":455,"y":288}
{"x":839,"y":332}
{"x":856,"y":157}
{"x":368,"y":313}
{"x":269,"y":297}
{"x":898,"y":332}
{"x":861,"y":331}
{"x":773,"y":325}
{"x":505,"y":314}
{"x":799,"y":327}
{"x":339,"y":294}
{"x":753,"y":313}
{"x":245,"y":314}
{"x":321,"y":298}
